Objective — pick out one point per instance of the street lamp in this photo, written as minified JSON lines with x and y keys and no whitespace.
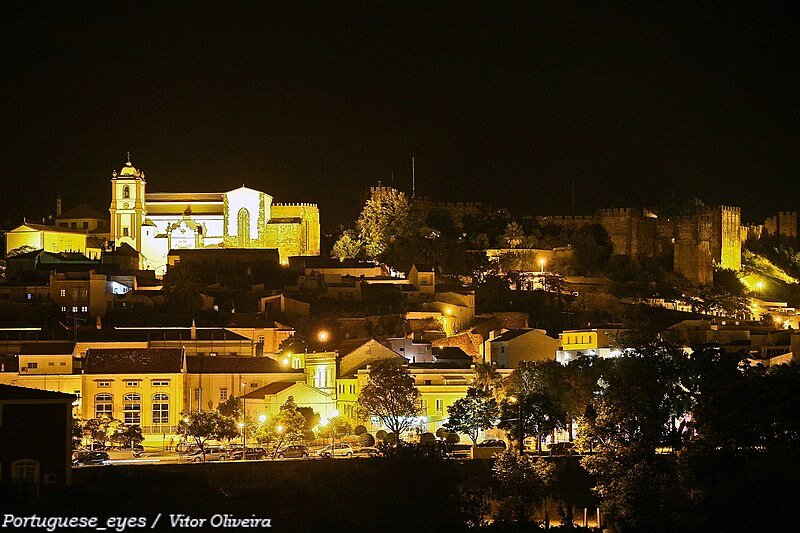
{"x":515,"y":400}
{"x":323,"y":336}
{"x":541,"y":265}
{"x":241,"y":428}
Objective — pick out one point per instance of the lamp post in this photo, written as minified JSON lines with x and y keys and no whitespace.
{"x":515,"y":400}
{"x":541,"y":265}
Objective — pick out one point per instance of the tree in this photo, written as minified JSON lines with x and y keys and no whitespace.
{"x":384,"y":218}
{"x":182,"y":290}
{"x":524,"y":481}
{"x":337,"y":426}
{"x":231,"y":407}
{"x":535,"y":402}
{"x":348,"y":246}
{"x":486,"y":376}
{"x":473,"y":413}
{"x":205,"y":425}
{"x":390,"y":395}
{"x":99,"y":430}
{"x":127,"y":436}
{"x":513,"y":235}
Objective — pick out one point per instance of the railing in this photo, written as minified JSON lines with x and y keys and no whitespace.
{"x":160,"y":429}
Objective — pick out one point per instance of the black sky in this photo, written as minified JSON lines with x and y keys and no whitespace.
{"x":314,"y":103}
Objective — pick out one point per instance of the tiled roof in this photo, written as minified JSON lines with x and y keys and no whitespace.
{"x":42,"y":227}
{"x":134,"y":361}
{"x":47,"y":348}
{"x":11,"y":392}
{"x":197,"y":364}
{"x":511,"y":334}
{"x":272,"y":388}
{"x":82,"y":211}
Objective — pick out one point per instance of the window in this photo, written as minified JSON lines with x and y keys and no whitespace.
{"x":160,"y":409}
{"x":103,"y":383}
{"x":439,"y":407}
{"x":51,"y":363}
{"x":84,"y":292}
{"x":63,"y":293}
{"x":73,"y":225}
{"x":124,"y":232}
{"x":62,"y":363}
{"x":126,"y":191}
{"x":33,"y":365}
{"x":25,"y":471}
{"x":75,"y":309}
{"x":132,"y":409}
{"x":243,"y":228}
{"x":423,"y":405}
{"x":63,"y":309}
{"x":103,"y":405}
{"x":223,"y":394}
{"x":161,"y":384}
{"x":132,"y":384}
{"x":75,"y":293}
{"x":85,"y":225}
{"x":84,"y":309}
{"x":261,"y":339}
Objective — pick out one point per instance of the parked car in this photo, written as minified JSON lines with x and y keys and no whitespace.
{"x":369,"y":451}
{"x":186,"y":448}
{"x":336,"y":450}
{"x":292,"y":451}
{"x":252,"y":453}
{"x":213,"y":453}
{"x":91,"y":458}
{"x":561,"y":448}
{"x":492,"y":443}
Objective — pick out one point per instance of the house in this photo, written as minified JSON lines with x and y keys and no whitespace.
{"x":516,"y":346}
{"x":268,"y":399}
{"x":211,"y":381}
{"x":602,"y":342}
{"x":49,"y":238}
{"x":35,"y":438}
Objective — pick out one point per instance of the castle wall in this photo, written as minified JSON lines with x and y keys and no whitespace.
{"x":784,"y":224}
{"x":726,"y":240}
{"x":693,"y":248}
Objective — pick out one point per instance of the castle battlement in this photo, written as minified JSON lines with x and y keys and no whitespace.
{"x":301,"y":204}
{"x":617,"y":211}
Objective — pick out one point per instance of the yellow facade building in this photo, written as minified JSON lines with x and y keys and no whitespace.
{"x":48,"y":238}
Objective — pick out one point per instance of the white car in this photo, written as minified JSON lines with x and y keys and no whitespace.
{"x":336,"y":450}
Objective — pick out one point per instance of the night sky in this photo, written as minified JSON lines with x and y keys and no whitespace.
{"x":317,"y":103}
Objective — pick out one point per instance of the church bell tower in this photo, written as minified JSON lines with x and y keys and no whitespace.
{"x":128,"y":208}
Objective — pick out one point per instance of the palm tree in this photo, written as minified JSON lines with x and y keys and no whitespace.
{"x":182,"y":290}
{"x":486,"y":376}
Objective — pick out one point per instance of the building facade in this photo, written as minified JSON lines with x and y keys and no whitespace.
{"x":155,"y":223}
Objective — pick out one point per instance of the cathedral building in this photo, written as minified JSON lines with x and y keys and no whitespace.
{"x":155,"y":223}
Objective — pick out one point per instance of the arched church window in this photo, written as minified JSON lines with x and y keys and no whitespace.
{"x":126,"y":191}
{"x":244,"y":228}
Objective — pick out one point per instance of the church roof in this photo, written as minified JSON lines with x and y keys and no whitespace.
{"x":201,"y":197}
{"x":42,"y":227}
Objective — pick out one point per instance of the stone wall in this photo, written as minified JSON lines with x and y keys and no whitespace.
{"x":784,"y":224}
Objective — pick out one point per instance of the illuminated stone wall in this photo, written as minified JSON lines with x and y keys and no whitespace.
{"x":726,"y":241}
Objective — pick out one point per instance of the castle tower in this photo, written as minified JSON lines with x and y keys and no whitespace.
{"x":128,"y":208}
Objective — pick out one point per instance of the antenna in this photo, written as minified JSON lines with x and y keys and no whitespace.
{"x":413,"y":179}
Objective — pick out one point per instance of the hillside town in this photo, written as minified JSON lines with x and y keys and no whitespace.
{"x":424,"y":321}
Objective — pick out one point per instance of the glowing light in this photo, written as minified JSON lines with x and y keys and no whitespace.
{"x":334,"y":413}
{"x":512,"y":399}
{"x":449,"y":311}
{"x":322,"y":336}
{"x":241,"y":425}
{"x":323,"y":422}
{"x":285,"y":361}
{"x":759,"y":284}
{"x":279,"y":429}
{"x":262,"y":418}
{"x":541,"y":264}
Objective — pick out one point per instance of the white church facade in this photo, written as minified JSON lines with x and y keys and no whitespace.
{"x":155,"y":223}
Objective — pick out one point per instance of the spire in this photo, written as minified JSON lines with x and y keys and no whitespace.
{"x":129,"y":157}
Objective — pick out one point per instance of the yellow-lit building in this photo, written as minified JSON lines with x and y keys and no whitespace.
{"x":155,"y":223}
{"x":144,"y":387}
{"x":48,"y":238}
{"x":600,"y":342}
{"x":521,"y":345}
{"x":267,"y":400}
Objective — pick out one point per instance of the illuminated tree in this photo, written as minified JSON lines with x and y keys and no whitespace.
{"x":348,"y":246}
{"x":390,"y":395}
{"x":383,"y":219}
{"x":513,"y":235}
{"x":337,"y":426}
{"x":205,"y":425}
{"x":99,"y":430}
{"x":473,"y":413}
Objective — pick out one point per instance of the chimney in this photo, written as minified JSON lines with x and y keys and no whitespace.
{"x":58,"y":206}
